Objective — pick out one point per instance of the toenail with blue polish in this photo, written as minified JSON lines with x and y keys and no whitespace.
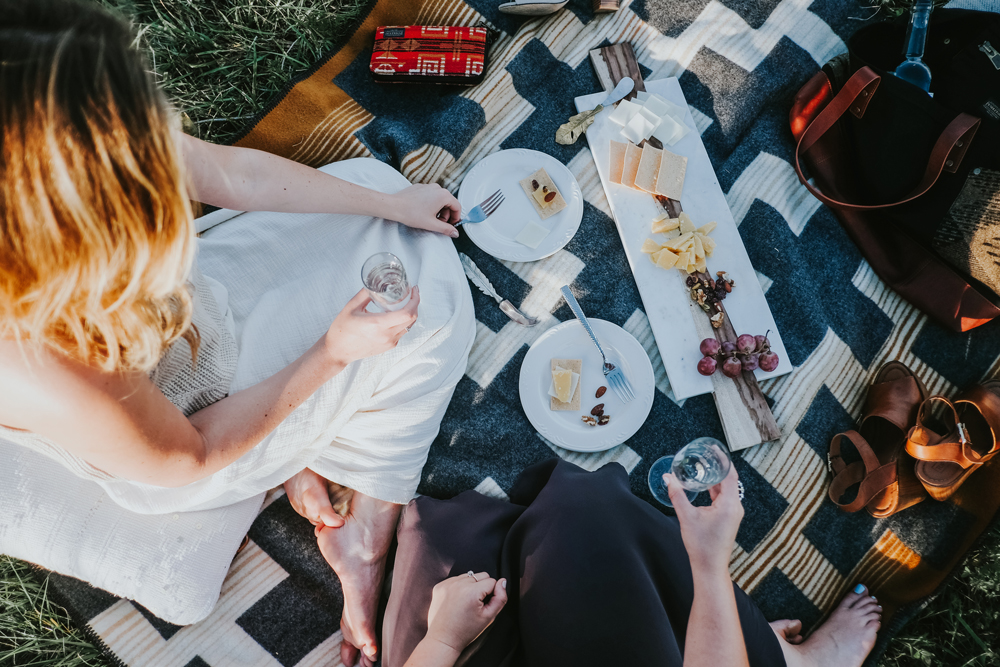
{"x":874,"y":598}
{"x":859,"y":589}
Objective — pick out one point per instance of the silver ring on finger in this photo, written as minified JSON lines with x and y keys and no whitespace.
{"x":408,"y":328}
{"x":740,"y":490}
{"x":473,"y":575}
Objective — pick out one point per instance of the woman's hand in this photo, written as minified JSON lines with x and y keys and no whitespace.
{"x":357,"y":334}
{"x":709,"y":532}
{"x":429,"y":207}
{"x":459,"y":611}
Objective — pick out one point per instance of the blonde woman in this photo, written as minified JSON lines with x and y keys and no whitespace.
{"x":174,"y":391}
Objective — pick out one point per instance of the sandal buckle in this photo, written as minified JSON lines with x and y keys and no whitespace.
{"x":963,"y":433}
{"x":829,"y":463}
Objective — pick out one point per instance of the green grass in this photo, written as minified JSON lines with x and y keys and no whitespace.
{"x":221,"y":62}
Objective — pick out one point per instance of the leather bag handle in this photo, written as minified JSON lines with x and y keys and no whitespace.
{"x":947,"y":154}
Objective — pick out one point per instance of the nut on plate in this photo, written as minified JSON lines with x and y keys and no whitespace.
{"x":604,"y":419}
{"x":588,"y":420}
{"x":597,"y":410}
{"x":600,"y":391}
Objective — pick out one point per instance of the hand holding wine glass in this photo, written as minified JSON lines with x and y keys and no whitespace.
{"x":709,"y":532}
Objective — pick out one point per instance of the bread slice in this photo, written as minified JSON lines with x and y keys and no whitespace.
{"x":542,"y":178}
{"x":617,"y":163}
{"x":633,"y":154}
{"x":575,"y":365}
{"x":670,"y":179}
{"x":649,"y":167}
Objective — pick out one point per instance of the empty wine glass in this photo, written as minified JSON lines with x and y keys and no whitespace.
{"x":698,"y":466}
{"x":385,"y":279}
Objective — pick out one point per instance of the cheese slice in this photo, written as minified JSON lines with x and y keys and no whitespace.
{"x":564,"y":383}
{"x":637,"y":129}
{"x":649,"y":245}
{"x":707,"y":228}
{"x":670,"y":179}
{"x":623,"y":114}
{"x":632,"y":156}
{"x":656,"y":105}
{"x":666,"y":260}
{"x":699,"y":247}
{"x":677,"y":243}
{"x":667,"y":130}
{"x":709,"y":244}
{"x":617,"y":163}
{"x":532,"y":235}
{"x":649,"y":167}
{"x":642,"y":96}
{"x":683,"y":259}
{"x":664,"y":226}
{"x":661,"y":216}
{"x":653,"y":119}
{"x":687,"y":225}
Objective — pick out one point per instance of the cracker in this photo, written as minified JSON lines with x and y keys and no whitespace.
{"x":649,"y":167}
{"x":543,"y":180}
{"x":632,"y":156}
{"x":575,"y":365}
{"x":670,"y":180}
{"x":617,"y":163}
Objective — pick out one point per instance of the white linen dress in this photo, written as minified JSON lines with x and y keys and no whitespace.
{"x":267,"y":287}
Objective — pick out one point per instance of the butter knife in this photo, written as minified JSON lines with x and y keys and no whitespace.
{"x":484,"y":285}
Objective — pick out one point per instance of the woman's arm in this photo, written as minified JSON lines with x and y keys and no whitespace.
{"x":714,"y":634}
{"x":122,"y":424}
{"x":244,"y":179}
{"x":459,"y":613}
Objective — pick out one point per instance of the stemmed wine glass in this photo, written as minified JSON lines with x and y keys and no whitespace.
{"x":698,"y":466}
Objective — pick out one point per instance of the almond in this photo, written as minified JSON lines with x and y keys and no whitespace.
{"x":549,"y":197}
{"x":600,"y":391}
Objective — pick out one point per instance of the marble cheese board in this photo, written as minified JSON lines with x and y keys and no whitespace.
{"x":666,"y":299}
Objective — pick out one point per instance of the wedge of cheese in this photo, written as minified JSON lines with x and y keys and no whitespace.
{"x":565,"y":390}
{"x":679,"y":242}
{"x":664,"y":226}
{"x":666,"y":259}
{"x":624,"y":112}
{"x":617,"y":163}
{"x":707,"y":228}
{"x":670,"y":179}
{"x":686,"y":225}
{"x":649,"y":167}
{"x":633,"y":154}
{"x":649,"y":245}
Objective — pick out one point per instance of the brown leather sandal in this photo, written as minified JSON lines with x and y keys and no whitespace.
{"x":948,"y":449}
{"x":884,"y":474}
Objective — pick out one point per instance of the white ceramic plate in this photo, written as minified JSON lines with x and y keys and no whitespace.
{"x":569,"y":340}
{"x":503,"y":170}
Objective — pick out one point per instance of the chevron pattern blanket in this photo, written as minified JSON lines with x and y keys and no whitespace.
{"x":738,"y":63}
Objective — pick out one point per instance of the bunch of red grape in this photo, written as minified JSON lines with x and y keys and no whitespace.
{"x":748,"y":353}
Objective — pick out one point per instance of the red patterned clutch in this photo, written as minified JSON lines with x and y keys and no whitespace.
{"x":429,"y":54}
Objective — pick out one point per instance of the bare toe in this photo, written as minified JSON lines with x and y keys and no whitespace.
{"x":847,"y":636}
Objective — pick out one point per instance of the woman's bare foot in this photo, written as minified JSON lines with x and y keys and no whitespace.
{"x":356,"y":552}
{"x":309,"y":496}
{"x":845,"y":639}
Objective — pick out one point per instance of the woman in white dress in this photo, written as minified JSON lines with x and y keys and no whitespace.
{"x":182,"y":373}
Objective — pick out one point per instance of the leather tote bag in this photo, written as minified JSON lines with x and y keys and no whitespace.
{"x":914,"y":178}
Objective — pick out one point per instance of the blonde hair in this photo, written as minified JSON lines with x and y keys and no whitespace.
{"x":96,"y":228}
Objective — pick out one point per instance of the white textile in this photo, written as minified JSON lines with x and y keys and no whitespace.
{"x":285,"y":279}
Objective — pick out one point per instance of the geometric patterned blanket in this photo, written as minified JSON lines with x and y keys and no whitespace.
{"x":738,"y":63}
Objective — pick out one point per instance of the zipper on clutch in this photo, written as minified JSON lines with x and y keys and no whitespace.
{"x":991,"y":53}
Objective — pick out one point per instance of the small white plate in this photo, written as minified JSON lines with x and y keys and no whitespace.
{"x":565,"y":429}
{"x":503,"y":170}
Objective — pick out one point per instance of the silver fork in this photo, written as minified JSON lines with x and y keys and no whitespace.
{"x":616,"y":378}
{"x":484,"y":210}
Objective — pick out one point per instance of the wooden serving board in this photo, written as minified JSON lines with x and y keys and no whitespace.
{"x":678,"y":324}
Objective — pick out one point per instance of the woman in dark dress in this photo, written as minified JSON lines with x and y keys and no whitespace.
{"x":589,"y":574}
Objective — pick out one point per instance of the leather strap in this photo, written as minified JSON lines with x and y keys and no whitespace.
{"x":925,"y":444}
{"x":873,"y":478}
{"x":854,"y":97}
{"x":895,"y":401}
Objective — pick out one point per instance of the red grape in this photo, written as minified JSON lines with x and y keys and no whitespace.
{"x":710,"y":347}
{"x":732,"y":367}
{"x":768,"y":362}
{"x":745,"y":343}
{"x":751,"y":362}
{"x":707,"y":365}
{"x":728,"y":347}
{"x":762,"y":343}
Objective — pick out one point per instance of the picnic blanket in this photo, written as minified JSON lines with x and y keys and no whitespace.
{"x":738,"y":63}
